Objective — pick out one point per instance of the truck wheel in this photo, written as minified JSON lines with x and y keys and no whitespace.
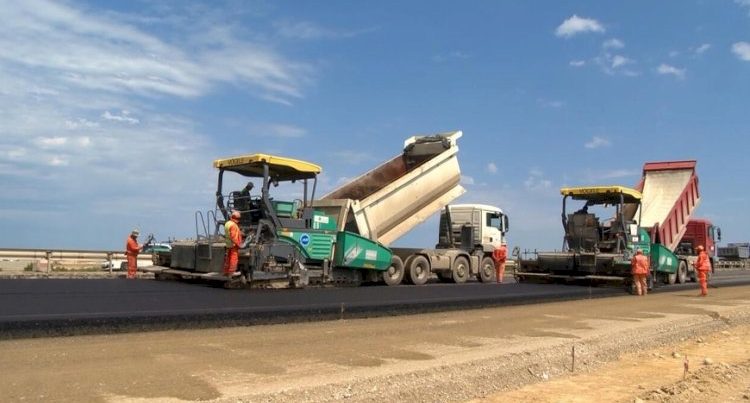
{"x":682,"y":272}
{"x":460,"y":270}
{"x":395,"y":272}
{"x":419,"y":270}
{"x":487,"y":270}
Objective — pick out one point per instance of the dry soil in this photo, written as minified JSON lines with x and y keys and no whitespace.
{"x":626,"y":348}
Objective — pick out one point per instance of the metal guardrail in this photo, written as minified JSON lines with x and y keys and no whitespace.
{"x":48,"y":256}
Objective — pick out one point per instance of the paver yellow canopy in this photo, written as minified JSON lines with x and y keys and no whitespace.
{"x":280,"y":168}
{"x":602,"y":194}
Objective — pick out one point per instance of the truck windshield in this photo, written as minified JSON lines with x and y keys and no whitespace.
{"x":495,"y":220}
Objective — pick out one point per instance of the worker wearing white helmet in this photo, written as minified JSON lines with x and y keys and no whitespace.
{"x":132,"y":249}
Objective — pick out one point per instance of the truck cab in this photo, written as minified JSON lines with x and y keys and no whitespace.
{"x":485,"y":225}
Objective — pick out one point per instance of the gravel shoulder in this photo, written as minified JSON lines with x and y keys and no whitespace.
{"x":518,"y":353}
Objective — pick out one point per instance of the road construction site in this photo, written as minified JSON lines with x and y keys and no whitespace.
{"x":321,"y":306}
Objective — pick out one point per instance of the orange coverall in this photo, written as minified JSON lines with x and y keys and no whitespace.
{"x":233,"y":242}
{"x":703,"y":266}
{"x":131,"y":252}
{"x":499,"y":255}
{"x":639,"y":267}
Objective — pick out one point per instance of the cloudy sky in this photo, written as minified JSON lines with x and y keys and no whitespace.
{"x":111,"y":113}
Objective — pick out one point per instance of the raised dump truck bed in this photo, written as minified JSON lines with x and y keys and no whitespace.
{"x":670,"y":196}
{"x":388,"y":201}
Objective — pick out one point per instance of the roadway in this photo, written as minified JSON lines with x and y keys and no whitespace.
{"x":42,"y":307}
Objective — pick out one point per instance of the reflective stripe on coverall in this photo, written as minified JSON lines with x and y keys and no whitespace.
{"x":499,"y":255}
{"x":233,"y":242}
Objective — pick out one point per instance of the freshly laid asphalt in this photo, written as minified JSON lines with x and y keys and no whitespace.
{"x":52,"y":307}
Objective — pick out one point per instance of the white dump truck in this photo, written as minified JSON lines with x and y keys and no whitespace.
{"x":388,"y":201}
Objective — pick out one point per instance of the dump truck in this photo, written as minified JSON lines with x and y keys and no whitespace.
{"x":391,"y":199}
{"x":342,"y":238}
{"x":670,"y":197}
{"x":734,"y":255}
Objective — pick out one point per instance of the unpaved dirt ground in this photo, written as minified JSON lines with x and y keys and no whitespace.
{"x":627,"y":348}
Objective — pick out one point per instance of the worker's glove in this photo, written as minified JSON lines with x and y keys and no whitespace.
{"x":247,"y":242}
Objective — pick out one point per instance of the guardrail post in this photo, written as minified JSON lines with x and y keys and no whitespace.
{"x":109,"y":260}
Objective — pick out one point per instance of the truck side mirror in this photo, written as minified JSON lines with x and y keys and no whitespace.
{"x":505,"y":223}
{"x":718,"y":234}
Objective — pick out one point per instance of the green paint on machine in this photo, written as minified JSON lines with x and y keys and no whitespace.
{"x":358,"y":252}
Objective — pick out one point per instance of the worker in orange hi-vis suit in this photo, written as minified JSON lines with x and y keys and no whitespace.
{"x":132,"y":248}
{"x":639,"y":268}
{"x":233,"y":238}
{"x":702,"y":266}
{"x":499,"y":255}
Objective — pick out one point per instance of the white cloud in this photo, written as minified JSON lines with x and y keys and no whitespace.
{"x":50,"y":142}
{"x":537,"y":181}
{"x":742,"y":50}
{"x":702,"y":48}
{"x":613,"y":43}
{"x":577,"y":63}
{"x":619,"y":60}
{"x":80,"y":123}
{"x":57,"y":161}
{"x":616,"y":64}
{"x":667,"y":69}
{"x":743,"y":3}
{"x":123,"y":117}
{"x":597,"y":142}
{"x":492,"y":168}
{"x":97,"y":52}
{"x":576,"y":25}
{"x":467,"y":180}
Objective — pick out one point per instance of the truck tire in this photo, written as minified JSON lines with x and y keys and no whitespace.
{"x":670,"y":278}
{"x":682,"y":272}
{"x":460,"y":270}
{"x":487,"y":270}
{"x":395,"y":273}
{"x":419,"y":270}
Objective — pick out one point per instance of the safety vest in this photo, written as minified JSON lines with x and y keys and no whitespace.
{"x":232,"y":234}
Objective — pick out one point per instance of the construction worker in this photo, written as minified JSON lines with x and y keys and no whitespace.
{"x":132,"y":248}
{"x":639,"y":267}
{"x":702,"y":267}
{"x":233,"y":238}
{"x":499,"y":255}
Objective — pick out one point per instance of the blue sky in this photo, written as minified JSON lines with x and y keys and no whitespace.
{"x":112,"y":112}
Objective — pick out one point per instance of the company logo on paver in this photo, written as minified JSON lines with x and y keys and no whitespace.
{"x":304,"y":239}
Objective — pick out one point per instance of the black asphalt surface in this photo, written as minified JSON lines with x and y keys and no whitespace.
{"x":42,"y":307}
